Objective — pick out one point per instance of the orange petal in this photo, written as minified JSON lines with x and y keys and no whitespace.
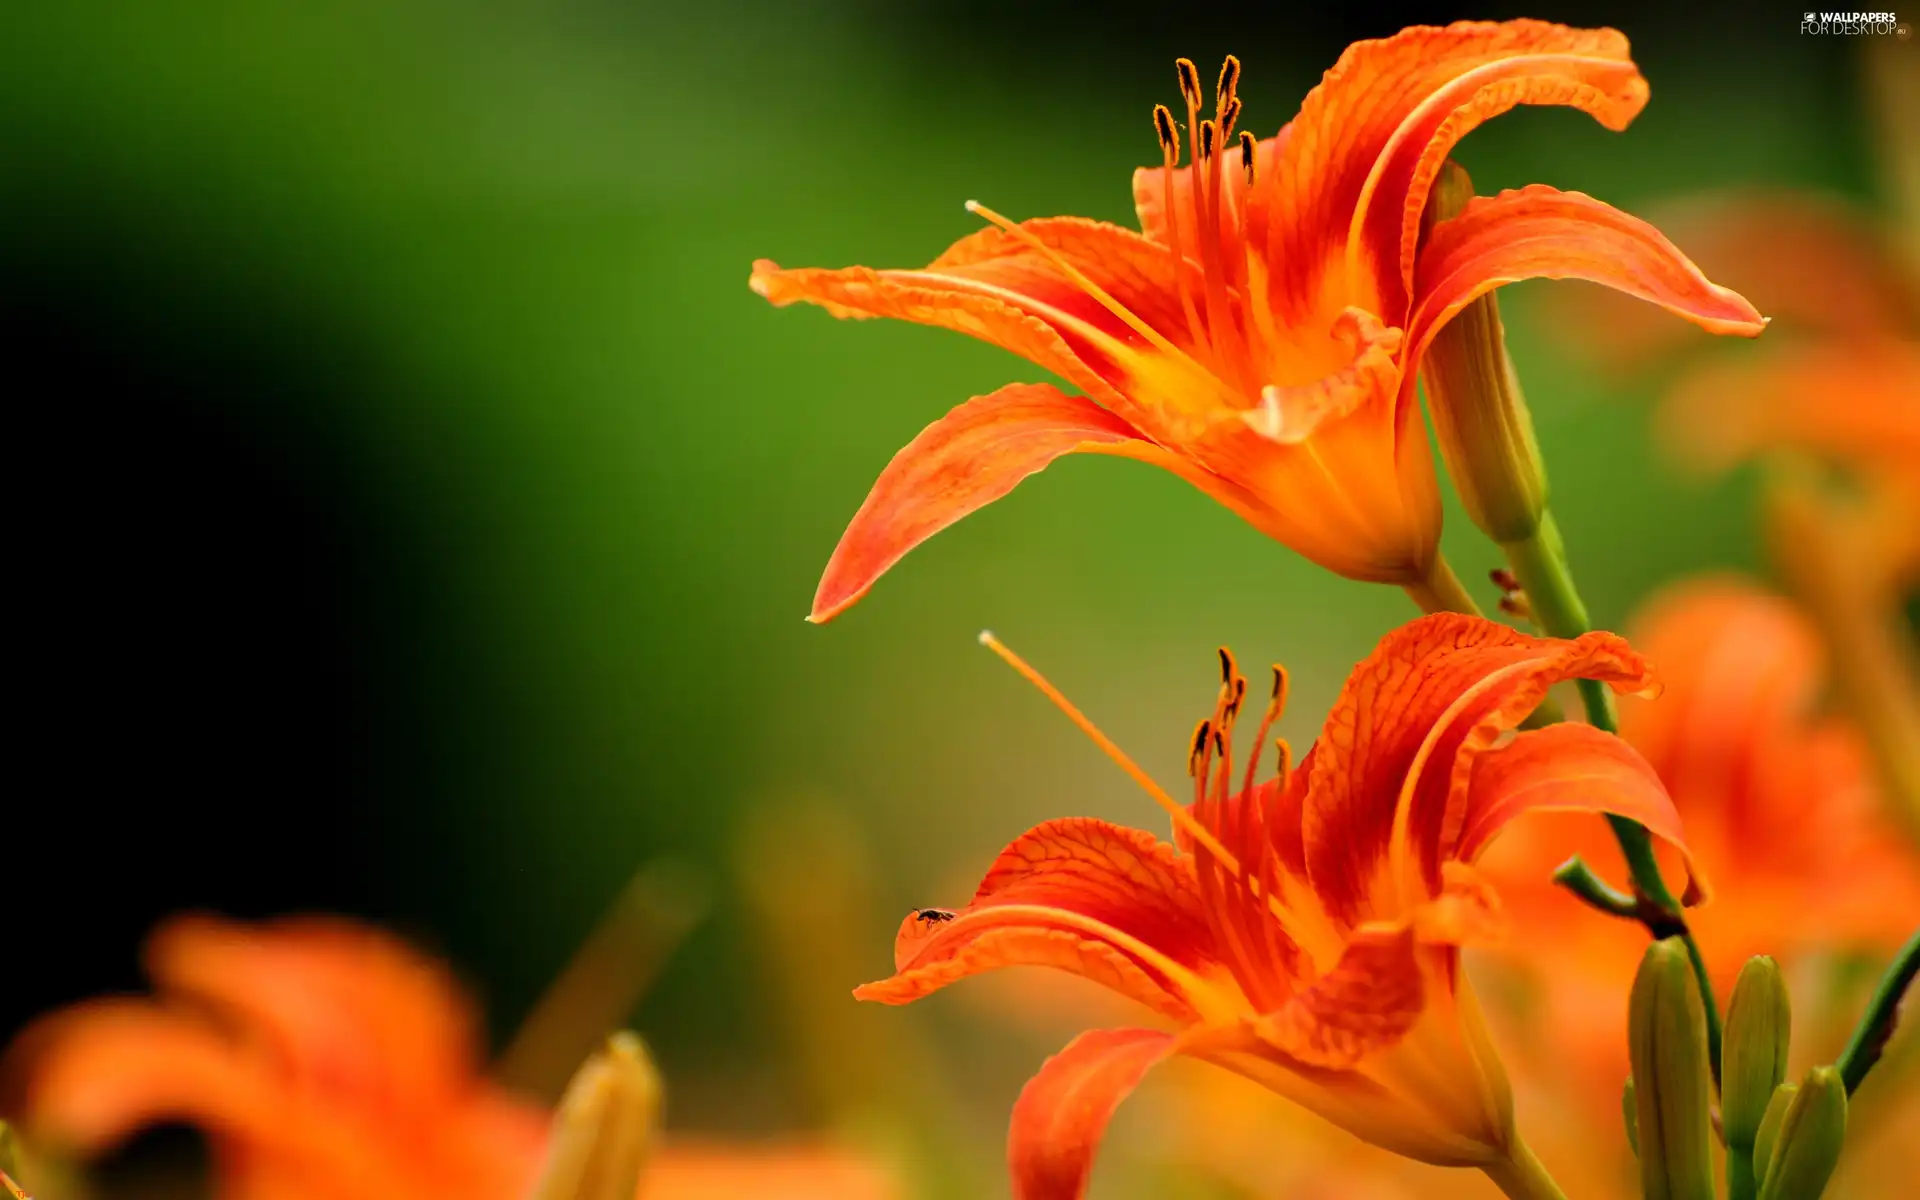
{"x":89,"y":1077}
{"x":1856,"y":404}
{"x":1369,"y":1001}
{"x":975,"y":455}
{"x":339,"y":1002}
{"x":1411,"y":719}
{"x":1062,"y":1113}
{"x":1569,"y":768}
{"x":1808,"y":261}
{"x":1109,"y":903}
{"x":1349,"y":122}
{"x":1541,"y":232}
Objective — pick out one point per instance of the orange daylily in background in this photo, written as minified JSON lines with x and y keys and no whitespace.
{"x":327,"y":1061}
{"x":1306,"y":932}
{"x":1261,"y":335}
{"x":1781,"y":811}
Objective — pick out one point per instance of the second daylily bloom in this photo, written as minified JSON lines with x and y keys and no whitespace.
{"x":1304,"y":932}
{"x":1261,"y":335}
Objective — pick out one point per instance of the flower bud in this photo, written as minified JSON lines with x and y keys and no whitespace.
{"x":605,"y":1126}
{"x":1667,"y":1042}
{"x":1812,"y":1131}
{"x":1479,"y":413}
{"x":1754,"y":1051}
{"x":1627,"y":1103}
{"x":1769,"y":1135}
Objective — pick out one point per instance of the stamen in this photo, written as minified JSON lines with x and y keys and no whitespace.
{"x":1163,"y":128}
{"x":1247,"y":148}
{"x":1207,"y":131}
{"x":1276,"y":708}
{"x":1080,"y":281}
{"x":1189,"y":83}
{"x":1228,"y":115}
{"x":1198,"y":745}
{"x":1224,"y":91}
{"x":1170,"y":152}
{"x":1228,"y":668}
{"x":1182,"y":819}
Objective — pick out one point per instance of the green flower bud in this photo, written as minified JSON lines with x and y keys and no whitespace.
{"x":1753,"y":1057}
{"x":1769,"y":1135}
{"x":1627,"y":1103}
{"x":605,"y":1126}
{"x":1667,"y":1041}
{"x":1479,"y":413}
{"x":1812,"y":1131}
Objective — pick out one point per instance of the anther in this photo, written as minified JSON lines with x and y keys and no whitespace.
{"x":1169,"y":135}
{"x":1189,"y":81}
{"x":1247,"y":148}
{"x":1198,"y":746}
{"x":1279,"y":687}
{"x":1228,"y":668}
{"x":1228,"y":115}
{"x":1208,"y":132}
{"x":1229,"y":81}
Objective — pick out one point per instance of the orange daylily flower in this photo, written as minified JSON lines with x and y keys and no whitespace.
{"x":1781,"y":811}
{"x":1305,"y":932}
{"x":327,"y":1061}
{"x":1262,"y":333}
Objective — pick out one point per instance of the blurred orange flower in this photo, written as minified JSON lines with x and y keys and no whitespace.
{"x":1781,"y":811}
{"x":327,"y":1061}
{"x":1308,"y":937}
{"x":1261,"y":335}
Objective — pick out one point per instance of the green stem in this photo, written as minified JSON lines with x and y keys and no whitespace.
{"x":1522,"y":1177}
{"x":1442,"y":591}
{"x":1741,"y":1184}
{"x":1876,"y":1024}
{"x":1539,"y":562}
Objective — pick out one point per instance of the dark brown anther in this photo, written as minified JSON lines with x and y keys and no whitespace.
{"x":1227,"y":117}
{"x":1208,"y":139}
{"x":1504,"y":579}
{"x":1164,"y":128}
{"x":1189,"y":81}
{"x":1225,"y":90}
{"x":1513,"y":598}
{"x":1198,"y":746}
{"x":1247,"y":149}
{"x":1219,"y":745}
{"x":1227,"y":666}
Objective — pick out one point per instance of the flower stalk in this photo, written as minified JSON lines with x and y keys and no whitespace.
{"x":1876,"y":1025}
{"x":1539,"y":562}
{"x":1523,"y":1177}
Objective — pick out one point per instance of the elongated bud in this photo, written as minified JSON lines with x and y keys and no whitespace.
{"x":1632,"y":1117}
{"x":1812,"y":1131}
{"x":1754,"y":1054}
{"x":1667,"y":1041}
{"x":1769,"y":1135}
{"x":1479,"y":412}
{"x":605,"y":1126}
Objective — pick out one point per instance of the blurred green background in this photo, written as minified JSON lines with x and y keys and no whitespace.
{"x":416,"y":511}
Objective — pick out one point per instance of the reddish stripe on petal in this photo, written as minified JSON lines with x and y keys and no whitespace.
{"x":1569,"y":768}
{"x":1112,"y":904}
{"x":858,"y":292}
{"x":1348,"y":121}
{"x":1369,"y":1001}
{"x":964,"y":461}
{"x":1540,"y":232}
{"x":1062,"y":1113}
{"x":1387,"y":222}
{"x":1432,"y":696}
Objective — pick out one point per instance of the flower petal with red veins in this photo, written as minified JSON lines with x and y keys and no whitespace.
{"x":1369,"y":1001}
{"x":1062,"y":1113}
{"x":1348,"y":121}
{"x":1433,"y":694}
{"x":1387,"y":223}
{"x":1570,"y":768}
{"x":1103,"y":901}
{"x":1539,"y":232}
{"x":973,"y":456}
